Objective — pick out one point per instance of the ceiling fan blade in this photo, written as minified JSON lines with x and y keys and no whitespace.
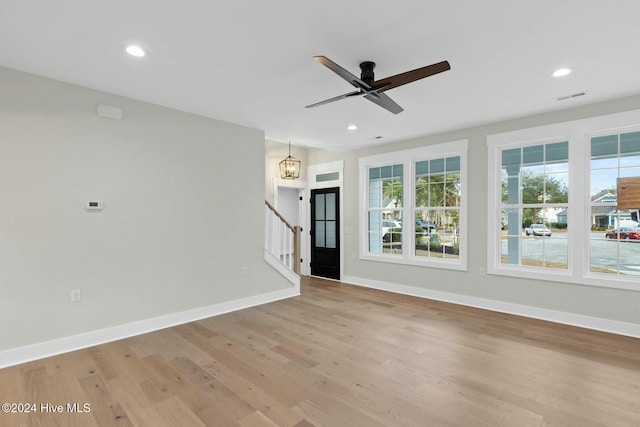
{"x":410,"y":76}
{"x":351,"y":78}
{"x":385,"y":102}
{"x":336,"y":98}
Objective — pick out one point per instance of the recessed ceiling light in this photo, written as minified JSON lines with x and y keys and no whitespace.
{"x":352,"y":127}
{"x":561,"y":72}
{"x":135,"y":51}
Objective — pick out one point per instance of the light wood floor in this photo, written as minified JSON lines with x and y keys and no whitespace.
{"x":342,"y":356}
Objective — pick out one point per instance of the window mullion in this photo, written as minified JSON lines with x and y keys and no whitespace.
{"x":409,"y":223}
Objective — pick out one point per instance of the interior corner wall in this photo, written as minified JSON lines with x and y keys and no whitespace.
{"x":597,"y":302}
{"x":183,"y":211}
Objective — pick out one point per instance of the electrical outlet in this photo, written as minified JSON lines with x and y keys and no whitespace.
{"x":483,"y":272}
{"x":75,"y":295}
{"x":245,"y":270}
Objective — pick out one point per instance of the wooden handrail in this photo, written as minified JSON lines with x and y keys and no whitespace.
{"x":289,"y":226}
{"x":294,"y":258}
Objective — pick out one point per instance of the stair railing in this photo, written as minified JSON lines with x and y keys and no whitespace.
{"x":282,"y":239}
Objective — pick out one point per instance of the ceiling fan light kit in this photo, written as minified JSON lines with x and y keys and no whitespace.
{"x":371,"y":89}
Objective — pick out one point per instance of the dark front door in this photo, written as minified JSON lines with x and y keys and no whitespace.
{"x":325,"y":233}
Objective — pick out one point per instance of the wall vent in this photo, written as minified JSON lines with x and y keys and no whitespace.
{"x":573,"y":95}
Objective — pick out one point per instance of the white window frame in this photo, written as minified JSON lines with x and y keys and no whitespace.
{"x":578,"y":133}
{"x":408,"y":159}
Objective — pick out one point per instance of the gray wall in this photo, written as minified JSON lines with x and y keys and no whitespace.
{"x":594,"y":301}
{"x":183,"y":212}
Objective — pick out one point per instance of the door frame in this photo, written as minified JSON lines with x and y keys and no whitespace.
{"x":313,"y":184}
{"x":303,"y":210}
{"x":325,"y":260}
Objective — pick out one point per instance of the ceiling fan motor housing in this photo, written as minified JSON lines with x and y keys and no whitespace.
{"x":367,"y":71}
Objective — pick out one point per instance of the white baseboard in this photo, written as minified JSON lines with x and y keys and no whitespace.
{"x":589,"y":322}
{"x":63,"y":345}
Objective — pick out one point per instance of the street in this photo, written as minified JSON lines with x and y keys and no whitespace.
{"x":604,"y":253}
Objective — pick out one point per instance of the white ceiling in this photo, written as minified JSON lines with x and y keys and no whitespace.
{"x":250,"y":62}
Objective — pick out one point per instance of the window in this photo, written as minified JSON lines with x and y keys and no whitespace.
{"x":534,"y":213}
{"x":438,"y":191}
{"x":613,"y":232}
{"x":413,"y":206}
{"x":553,"y":202}
{"x":385,"y":209}
{"x":331,"y":176}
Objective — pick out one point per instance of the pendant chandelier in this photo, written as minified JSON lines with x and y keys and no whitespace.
{"x":290,"y":167}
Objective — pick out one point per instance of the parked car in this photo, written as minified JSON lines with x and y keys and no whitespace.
{"x":428,"y":227}
{"x":623,"y":233}
{"x":537,"y":230}
{"x":388,"y":224}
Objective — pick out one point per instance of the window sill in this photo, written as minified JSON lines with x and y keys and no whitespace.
{"x":566,"y":276}
{"x":458,"y":265}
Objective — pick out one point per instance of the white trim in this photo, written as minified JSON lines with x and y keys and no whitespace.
{"x":573,"y":319}
{"x":322,"y":168}
{"x":312,"y":171}
{"x":286,"y":183}
{"x":408,"y":158}
{"x":421,"y":153}
{"x":578,"y":133}
{"x":77,"y":342}
{"x":302,"y":212}
{"x":291,"y":183}
{"x":274,"y":262}
{"x":447,"y":263}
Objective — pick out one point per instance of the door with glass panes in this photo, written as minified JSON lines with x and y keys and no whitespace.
{"x":325,"y":233}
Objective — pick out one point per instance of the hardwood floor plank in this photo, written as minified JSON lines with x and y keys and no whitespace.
{"x":341,"y":355}
{"x":343,"y":417}
{"x":263,"y":402}
{"x":176,"y":413}
{"x":257,"y":419}
{"x":106,"y":410}
{"x":213,"y":416}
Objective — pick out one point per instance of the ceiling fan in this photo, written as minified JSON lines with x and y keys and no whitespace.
{"x":373,"y":90}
